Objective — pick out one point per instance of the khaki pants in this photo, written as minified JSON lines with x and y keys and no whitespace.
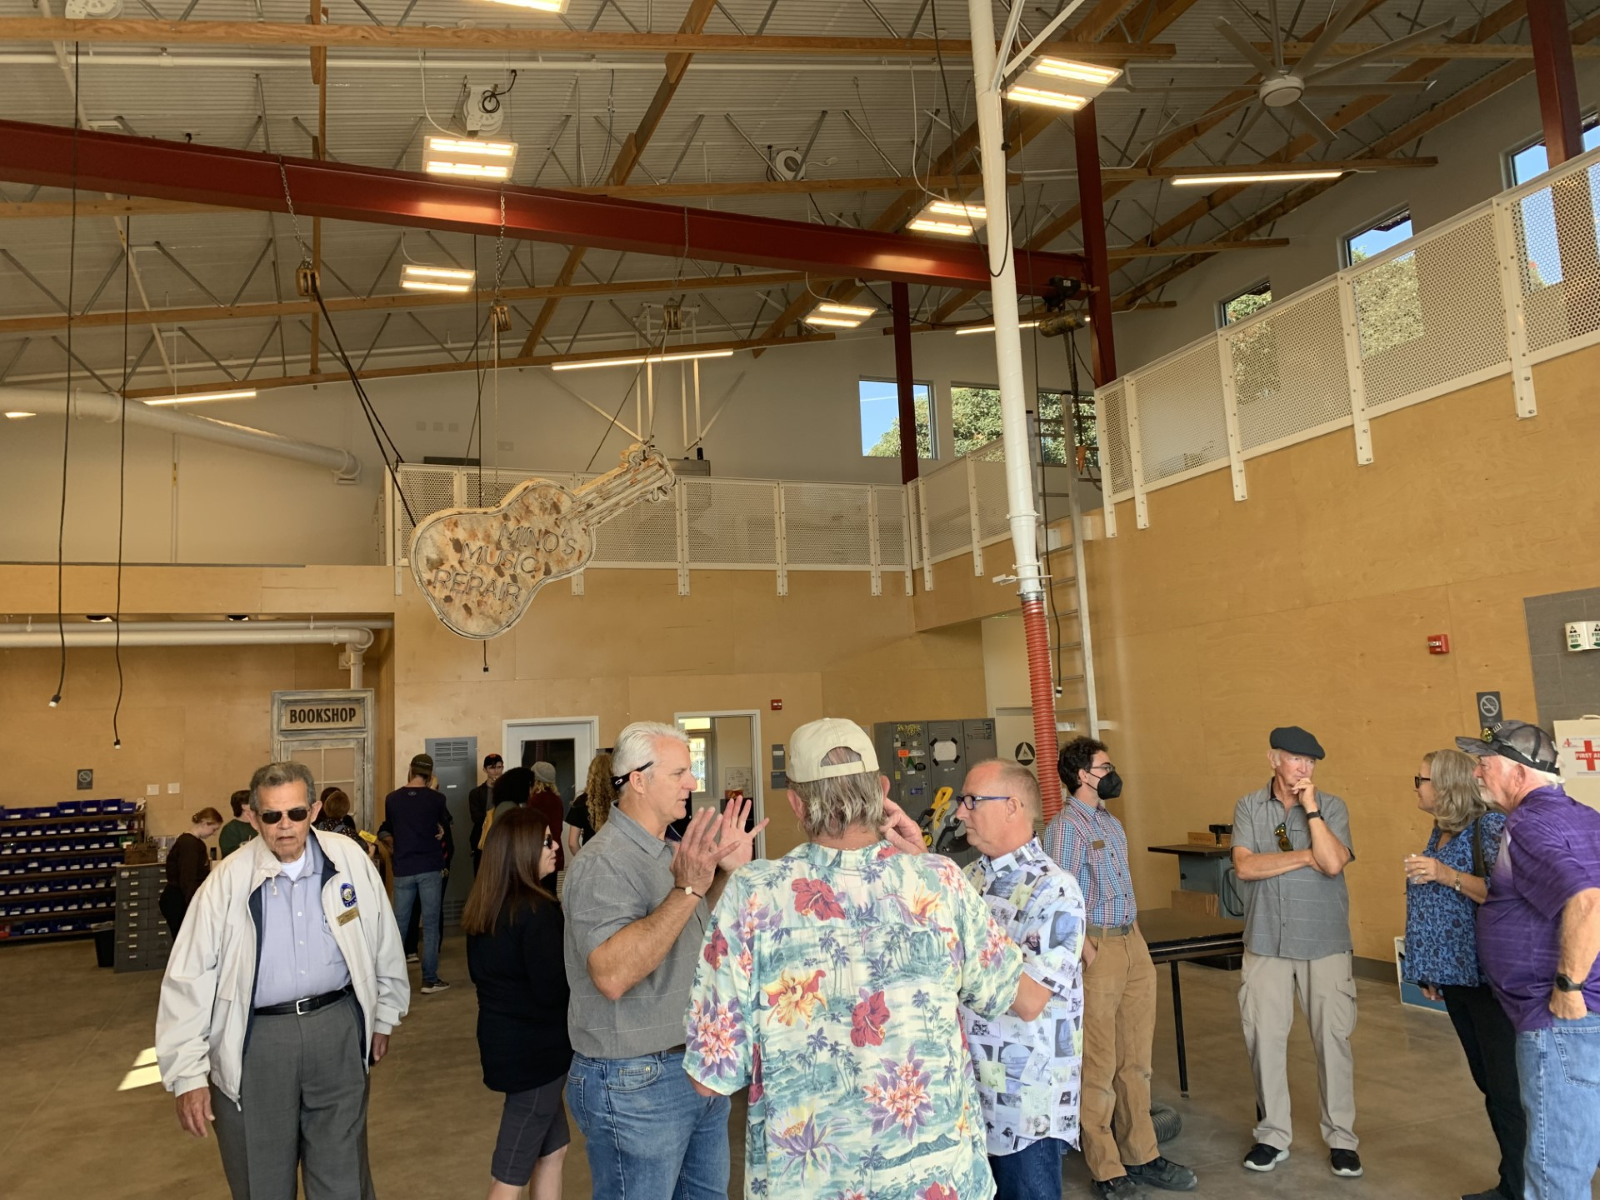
{"x":1327,"y":991}
{"x":1119,"y":1024}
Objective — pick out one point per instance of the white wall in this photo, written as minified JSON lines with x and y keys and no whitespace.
{"x":1471,"y":152}
{"x":792,"y":413}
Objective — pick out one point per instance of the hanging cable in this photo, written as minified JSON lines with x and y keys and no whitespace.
{"x":422,"y":69}
{"x":122,"y":479}
{"x":66,"y":429}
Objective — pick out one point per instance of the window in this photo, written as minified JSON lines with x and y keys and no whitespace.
{"x":1377,"y":238}
{"x":975,"y":421}
{"x":1532,"y":159}
{"x":880,"y":419}
{"x":1242,"y":304}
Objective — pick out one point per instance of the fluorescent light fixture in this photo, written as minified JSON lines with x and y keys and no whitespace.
{"x":1264,"y":177}
{"x":555,"y":6}
{"x":1061,"y":83}
{"x":1078,"y":72}
{"x":202,"y":397}
{"x":965,"y":329}
{"x":640,"y":359}
{"x":950,"y":217}
{"x":839,"y":316}
{"x":435,"y":279}
{"x":19,"y":415}
{"x":468,"y":158}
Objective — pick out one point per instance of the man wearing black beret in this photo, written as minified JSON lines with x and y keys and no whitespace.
{"x":1291,"y":844}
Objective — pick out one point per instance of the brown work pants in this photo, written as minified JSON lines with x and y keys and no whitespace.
{"x":1119,"y":1024}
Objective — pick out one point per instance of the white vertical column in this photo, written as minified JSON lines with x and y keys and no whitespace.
{"x":1516,"y":323}
{"x":1350,"y":323}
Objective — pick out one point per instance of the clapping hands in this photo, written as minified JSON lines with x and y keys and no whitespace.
{"x":714,"y":842}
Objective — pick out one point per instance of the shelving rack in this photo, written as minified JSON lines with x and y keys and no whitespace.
{"x":58,"y":866}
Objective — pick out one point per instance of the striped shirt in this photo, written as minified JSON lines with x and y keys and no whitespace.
{"x":1303,"y":913}
{"x":1088,"y":842}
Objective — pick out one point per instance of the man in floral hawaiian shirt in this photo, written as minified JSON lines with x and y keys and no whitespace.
{"x":830,"y":981}
{"x":1029,"y":1072}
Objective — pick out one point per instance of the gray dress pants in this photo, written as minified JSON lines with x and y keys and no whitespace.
{"x":302,"y":1108}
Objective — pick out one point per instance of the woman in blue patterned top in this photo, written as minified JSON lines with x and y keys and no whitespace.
{"x":1448,"y":881}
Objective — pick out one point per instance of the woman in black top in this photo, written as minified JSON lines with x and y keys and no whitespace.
{"x":188,"y":863}
{"x":514,"y":954}
{"x":596,"y":797}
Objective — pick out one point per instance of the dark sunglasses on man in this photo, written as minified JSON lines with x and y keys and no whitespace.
{"x":269,"y":817}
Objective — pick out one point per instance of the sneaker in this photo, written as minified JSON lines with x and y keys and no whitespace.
{"x":1160,"y":1173}
{"x":1493,"y":1193}
{"x":1346,"y":1163}
{"x":413,"y":958}
{"x":439,"y":985}
{"x":1120,"y":1188}
{"x":1263,"y":1157}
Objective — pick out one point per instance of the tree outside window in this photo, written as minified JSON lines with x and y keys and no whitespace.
{"x":880,"y":419}
{"x":1246,"y":303}
{"x":975,"y":421}
{"x":1388,"y":304}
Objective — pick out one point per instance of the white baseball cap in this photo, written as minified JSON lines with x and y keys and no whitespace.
{"x":812,"y":743}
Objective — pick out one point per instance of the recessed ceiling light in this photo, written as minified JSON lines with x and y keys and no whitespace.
{"x":202,"y":397}
{"x":1261,"y":177}
{"x":468,"y":158}
{"x":417,"y":278}
{"x":950,"y":217}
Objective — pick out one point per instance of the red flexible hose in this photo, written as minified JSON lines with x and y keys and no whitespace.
{"x":1042,"y":683}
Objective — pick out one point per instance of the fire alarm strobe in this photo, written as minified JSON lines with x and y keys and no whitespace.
{"x":1438,"y":643}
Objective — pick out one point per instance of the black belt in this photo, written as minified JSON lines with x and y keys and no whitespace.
{"x":299,"y":1008}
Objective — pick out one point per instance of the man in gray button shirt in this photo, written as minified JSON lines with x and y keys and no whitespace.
{"x":1291,"y":844}
{"x":636,"y":913}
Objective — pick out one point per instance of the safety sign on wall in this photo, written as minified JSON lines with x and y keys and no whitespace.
{"x":1578,"y":743}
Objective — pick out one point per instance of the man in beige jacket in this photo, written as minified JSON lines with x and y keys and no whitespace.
{"x":282,"y":989}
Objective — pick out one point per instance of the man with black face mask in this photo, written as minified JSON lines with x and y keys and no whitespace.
{"x":1119,"y":984}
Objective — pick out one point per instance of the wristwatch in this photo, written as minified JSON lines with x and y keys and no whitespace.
{"x":689,"y":891}
{"x":1564,"y":984}
{"x":1314,"y":816}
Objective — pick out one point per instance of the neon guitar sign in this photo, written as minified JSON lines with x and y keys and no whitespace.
{"x":480,"y":567}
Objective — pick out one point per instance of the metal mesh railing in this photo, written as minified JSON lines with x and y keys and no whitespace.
{"x":1505,"y":285}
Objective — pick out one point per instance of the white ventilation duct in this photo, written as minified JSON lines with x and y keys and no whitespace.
{"x":103,"y":406}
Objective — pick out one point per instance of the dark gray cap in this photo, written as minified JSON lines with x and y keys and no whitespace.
{"x":1291,"y":739}
{"x":1517,"y":740}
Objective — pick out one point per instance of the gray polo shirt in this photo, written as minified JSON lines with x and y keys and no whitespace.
{"x":1302,"y":914}
{"x":623,"y":874}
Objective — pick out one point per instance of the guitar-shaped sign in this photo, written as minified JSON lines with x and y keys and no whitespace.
{"x":480,"y":567}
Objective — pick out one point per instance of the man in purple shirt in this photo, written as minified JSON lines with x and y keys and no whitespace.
{"x":1538,"y":936}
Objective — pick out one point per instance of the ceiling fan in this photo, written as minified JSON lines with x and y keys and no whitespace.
{"x":1286,"y":85}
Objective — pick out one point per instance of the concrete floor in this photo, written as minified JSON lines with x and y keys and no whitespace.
{"x":72,"y":1034}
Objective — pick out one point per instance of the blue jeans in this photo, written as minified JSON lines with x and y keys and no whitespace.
{"x":1033,"y":1173}
{"x":1559,"y":1070}
{"x":426,"y":889}
{"x":649,"y":1134}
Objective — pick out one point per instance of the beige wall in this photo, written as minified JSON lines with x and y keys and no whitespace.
{"x":1311,"y":602}
{"x":629,"y":649}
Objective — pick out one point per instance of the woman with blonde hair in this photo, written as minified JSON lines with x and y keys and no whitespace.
{"x":514,"y":953}
{"x":593,"y":805}
{"x":1446,"y":884}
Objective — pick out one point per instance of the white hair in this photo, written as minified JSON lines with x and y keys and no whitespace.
{"x":840,"y":802}
{"x":636,"y":746}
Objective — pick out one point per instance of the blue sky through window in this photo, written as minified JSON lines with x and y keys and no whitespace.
{"x":880,"y":406}
{"x":1380,"y":237}
{"x":1538,"y":210}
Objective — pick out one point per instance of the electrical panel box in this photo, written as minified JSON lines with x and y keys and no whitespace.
{"x":920,"y":757}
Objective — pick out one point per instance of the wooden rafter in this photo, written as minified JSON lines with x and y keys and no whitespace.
{"x":407,"y":300}
{"x":1470,"y":96}
{"x":628,"y":156}
{"x":531,"y":41}
{"x":1164,"y":148}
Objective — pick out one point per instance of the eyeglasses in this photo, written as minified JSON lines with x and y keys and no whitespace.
{"x":1418,"y":780}
{"x":270,"y":817}
{"x":1106,"y":767}
{"x":968,"y":803}
{"x":1282,"y":832}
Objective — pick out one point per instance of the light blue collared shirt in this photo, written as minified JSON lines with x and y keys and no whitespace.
{"x":299,"y":956}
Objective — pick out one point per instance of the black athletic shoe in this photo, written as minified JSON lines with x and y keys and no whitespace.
{"x":1160,"y":1173}
{"x":1346,"y":1163}
{"x":1263,"y":1157}
{"x":1493,"y":1193}
{"x":1120,"y":1188}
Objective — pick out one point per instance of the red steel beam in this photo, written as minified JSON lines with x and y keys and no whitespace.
{"x":1091,"y":204}
{"x":1558,"y":81}
{"x":56,"y":156}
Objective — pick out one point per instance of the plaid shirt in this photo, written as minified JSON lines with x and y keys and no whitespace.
{"x":1090,"y":843}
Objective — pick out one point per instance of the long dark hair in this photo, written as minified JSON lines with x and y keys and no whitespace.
{"x":508,"y":876}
